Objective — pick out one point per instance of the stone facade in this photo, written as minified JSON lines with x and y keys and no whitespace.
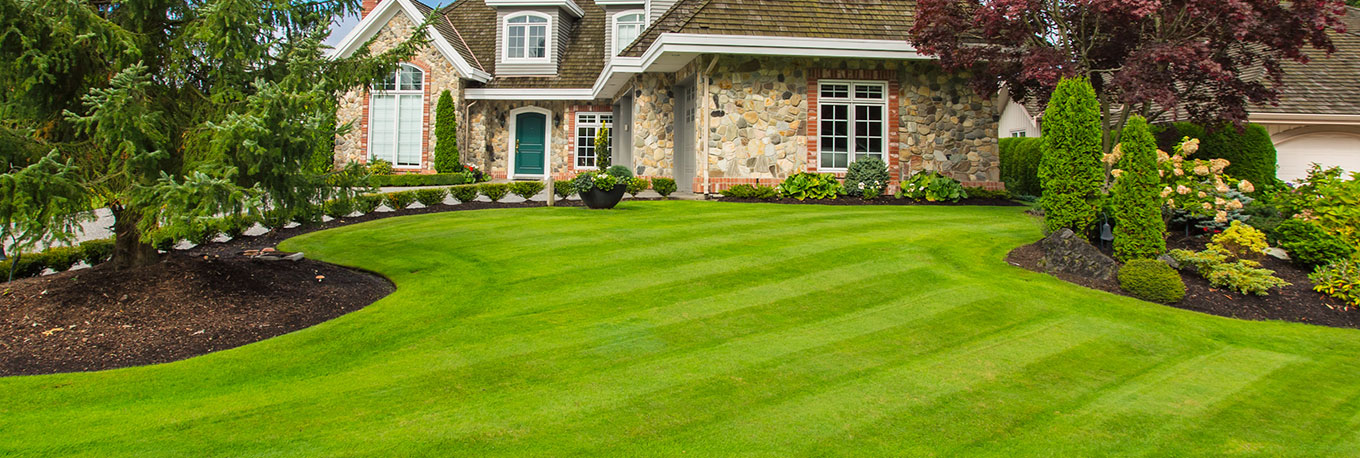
{"x":947,"y":127}
{"x":653,"y":124}
{"x":757,"y":118}
{"x":353,"y":105}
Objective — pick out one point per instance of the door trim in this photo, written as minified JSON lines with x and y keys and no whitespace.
{"x":547,"y":141}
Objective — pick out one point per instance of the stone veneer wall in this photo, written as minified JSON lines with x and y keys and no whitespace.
{"x":488,"y":143}
{"x":760,"y":109}
{"x":353,"y":105}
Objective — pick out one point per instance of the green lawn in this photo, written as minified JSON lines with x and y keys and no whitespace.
{"x":699,"y":328}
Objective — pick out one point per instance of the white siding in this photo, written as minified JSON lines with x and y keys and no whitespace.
{"x":655,"y":8}
{"x":1015,"y":118}
{"x":556,"y":30}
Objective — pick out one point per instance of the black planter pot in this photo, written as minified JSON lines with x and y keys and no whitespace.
{"x":595,"y":198}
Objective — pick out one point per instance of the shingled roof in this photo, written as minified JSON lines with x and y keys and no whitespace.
{"x":470,"y":26}
{"x":1326,"y":84}
{"x":879,"y":20}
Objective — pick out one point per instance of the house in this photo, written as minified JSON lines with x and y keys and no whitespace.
{"x":1317,"y":118}
{"x":710,"y":92}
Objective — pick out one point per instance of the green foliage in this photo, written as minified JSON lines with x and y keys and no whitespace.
{"x":323,"y":154}
{"x":1139,"y":231}
{"x":564,"y":188}
{"x":1020,"y":164}
{"x":1250,"y":152}
{"x":494,"y":191}
{"x":308,"y":214}
{"x":400,"y":199}
{"x":465,"y":193}
{"x":746,"y":191}
{"x":1331,"y":200}
{"x":236,"y":225}
{"x":808,"y":185}
{"x":430,"y":197}
{"x":664,"y":186}
{"x":1241,"y":275}
{"x":205,"y":233}
{"x":526,"y":189}
{"x":380,"y":167}
{"x":1340,"y":280}
{"x":93,"y":252}
{"x":932,"y":187}
{"x":339,"y":208}
{"x":1240,"y":241}
{"x":40,"y":205}
{"x":1309,"y":245}
{"x":867,"y":177}
{"x":59,"y":259}
{"x":585,"y":181}
{"x":603,"y":150}
{"x":1070,"y":172}
{"x":368,"y":203}
{"x":1152,"y":280}
{"x":637,"y":185}
{"x":419,"y":179}
{"x":974,"y":192}
{"x":446,"y":135}
{"x":619,"y":171}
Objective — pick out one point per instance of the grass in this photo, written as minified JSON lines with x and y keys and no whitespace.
{"x":669,"y":328}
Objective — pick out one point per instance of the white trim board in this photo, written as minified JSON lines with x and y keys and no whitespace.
{"x":1303,"y":118}
{"x":527,"y":94}
{"x":380,"y":16}
{"x":568,"y":5}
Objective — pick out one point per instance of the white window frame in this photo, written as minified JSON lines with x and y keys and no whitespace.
{"x":594,"y":121}
{"x":1018,"y":133}
{"x":850,"y":100}
{"x":548,"y":42}
{"x":398,"y":93}
{"x":614,"y":30}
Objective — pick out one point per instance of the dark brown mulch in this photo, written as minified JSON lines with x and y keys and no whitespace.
{"x":197,"y":301}
{"x":1297,"y":302}
{"x":878,"y":201}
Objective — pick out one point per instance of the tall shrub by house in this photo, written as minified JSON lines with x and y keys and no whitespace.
{"x":1069,"y":170}
{"x":446,"y":135}
{"x":603,"y":153}
{"x":1020,"y":165}
{"x":1139,"y":231}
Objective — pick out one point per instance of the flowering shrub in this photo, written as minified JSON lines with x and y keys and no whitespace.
{"x":1196,"y":187}
{"x":474,"y":174}
{"x":807,"y":185}
{"x":932,"y":187}
{"x":867,"y":177}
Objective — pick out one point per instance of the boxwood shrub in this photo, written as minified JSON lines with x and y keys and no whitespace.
{"x":339,"y":208}
{"x":564,"y":188}
{"x":368,"y":203}
{"x":431,"y":196}
{"x":419,"y":179}
{"x":400,"y":199}
{"x":663,"y":186}
{"x":746,"y":191}
{"x":1152,"y":280}
{"x":495,"y":191}
{"x":464,"y":193}
{"x":526,"y":189}
{"x":1020,"y":165}
{"x":59,"y":259}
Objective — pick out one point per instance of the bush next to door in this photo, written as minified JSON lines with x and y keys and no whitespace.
{"x":431,"y":197}
{"x":526,"y":189}
{"x":465,"y":193}
{"x":664,"y":186}
{"x":1069,"y":170}
{"x":1020,"y":165}
{"x":494,"y":191}
{"x":563,"y":188}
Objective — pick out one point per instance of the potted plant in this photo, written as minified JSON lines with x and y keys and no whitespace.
{"x":602,"y":189}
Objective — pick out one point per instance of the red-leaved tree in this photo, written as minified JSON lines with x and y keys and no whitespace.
{"x":1210,"y":58}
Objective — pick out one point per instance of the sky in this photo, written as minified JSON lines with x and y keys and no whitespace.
{"x":344,"y":25}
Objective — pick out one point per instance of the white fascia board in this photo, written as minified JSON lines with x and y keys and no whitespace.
{"x":381,"y":15}
{"x":778,"y":46}
{"x":528,"y":94}
{"x":1304,"y":118}
{"x":568,"y":5}
{"x":615,"y":73}
{"x":620,"y":2}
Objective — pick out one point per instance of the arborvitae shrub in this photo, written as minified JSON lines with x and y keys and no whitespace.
{"x":1020,"y":165}
{"x":1070,"y":171}
{"x":1139,"y":232}
{"x":446,"y":135}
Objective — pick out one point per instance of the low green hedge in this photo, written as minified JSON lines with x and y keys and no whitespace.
{"x":464,"y":193}
{"x":419,"y":179}
{"x":495,"y":191}
{"x":1250,"y":152}
{"x":1152,"y":280}
{"x":1020,"y":165}
{"x":59,"y":259}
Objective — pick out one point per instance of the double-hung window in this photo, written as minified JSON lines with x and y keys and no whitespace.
{"x":588,"y":125}
{"x":853,"y":122}
{"x":627,"y":27}
{"x":395,"y":113}
{"x":526,"y":37}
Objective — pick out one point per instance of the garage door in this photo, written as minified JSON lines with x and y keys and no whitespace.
{"x":1329,"y":149}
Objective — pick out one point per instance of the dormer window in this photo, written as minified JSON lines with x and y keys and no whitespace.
{"x":526,"y":37}
{"x":627,"y":26}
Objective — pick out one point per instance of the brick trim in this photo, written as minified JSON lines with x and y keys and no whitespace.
{"x":893,"y":119}
{"x":571,"y":130}
{"x":426,"y":165}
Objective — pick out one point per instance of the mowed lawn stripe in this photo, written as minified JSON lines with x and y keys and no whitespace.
{"x":712,"y":329}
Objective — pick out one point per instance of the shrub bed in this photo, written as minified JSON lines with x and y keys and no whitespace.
{"x":420,"y":179}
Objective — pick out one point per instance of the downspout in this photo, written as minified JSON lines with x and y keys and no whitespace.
{"x":707,"y":113}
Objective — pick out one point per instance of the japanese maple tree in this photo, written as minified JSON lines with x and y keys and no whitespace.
{"x":1210,"y":58}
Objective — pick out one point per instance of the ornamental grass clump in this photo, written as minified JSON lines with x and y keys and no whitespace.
{"x":1070,"y":172}
{"x":1139,"y":231}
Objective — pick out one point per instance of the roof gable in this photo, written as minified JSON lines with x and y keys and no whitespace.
{"x":380,"y":16}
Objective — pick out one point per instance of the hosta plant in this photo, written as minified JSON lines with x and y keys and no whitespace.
{"x":808,"y":185}
{"x":932,"y":187}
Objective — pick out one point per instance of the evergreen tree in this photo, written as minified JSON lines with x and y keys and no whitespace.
{"x":177,"y":111}
{"x":446,"y":135}
{"x":1139,"y":232}
{"x":1070,"y":169}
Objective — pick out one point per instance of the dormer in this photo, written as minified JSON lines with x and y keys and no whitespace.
{"x":656,"y":7}
{"x":624,"y":22}
{"x":531,"y":35}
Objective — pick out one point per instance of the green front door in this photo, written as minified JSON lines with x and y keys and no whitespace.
{"x":529,"y":129}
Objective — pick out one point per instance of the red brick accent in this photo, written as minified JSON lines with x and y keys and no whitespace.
{"x":894,"y":119}
{"x":571,"y":131}
{"x":426,"y":166}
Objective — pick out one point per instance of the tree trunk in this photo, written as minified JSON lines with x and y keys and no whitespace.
{"x":129,"y":251}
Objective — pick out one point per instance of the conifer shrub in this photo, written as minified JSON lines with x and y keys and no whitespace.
{"x":495,"y":191}
{"x":1020,"y":165}
{"x":446,"y":135}
{"x":526,"y":189}
{"x":430,"y":197}
{"x":867,"y":177}
{"x":664,"y":186}
{"x":465,"y":193}
{"x":1070,"y":172}
{"x":1152,"y":280}
{"x":401,"y":199}
{"x":1139,"y":231}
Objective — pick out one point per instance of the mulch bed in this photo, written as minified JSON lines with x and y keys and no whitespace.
{"x":1297,"y":302}
{"x":887,"y":200}
{"x":196,"y":301}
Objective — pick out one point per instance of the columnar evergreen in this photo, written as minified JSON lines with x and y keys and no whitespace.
{"x":1070,"y":169}
{"x":1139,"y":231}
{"x":446,"y":135}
